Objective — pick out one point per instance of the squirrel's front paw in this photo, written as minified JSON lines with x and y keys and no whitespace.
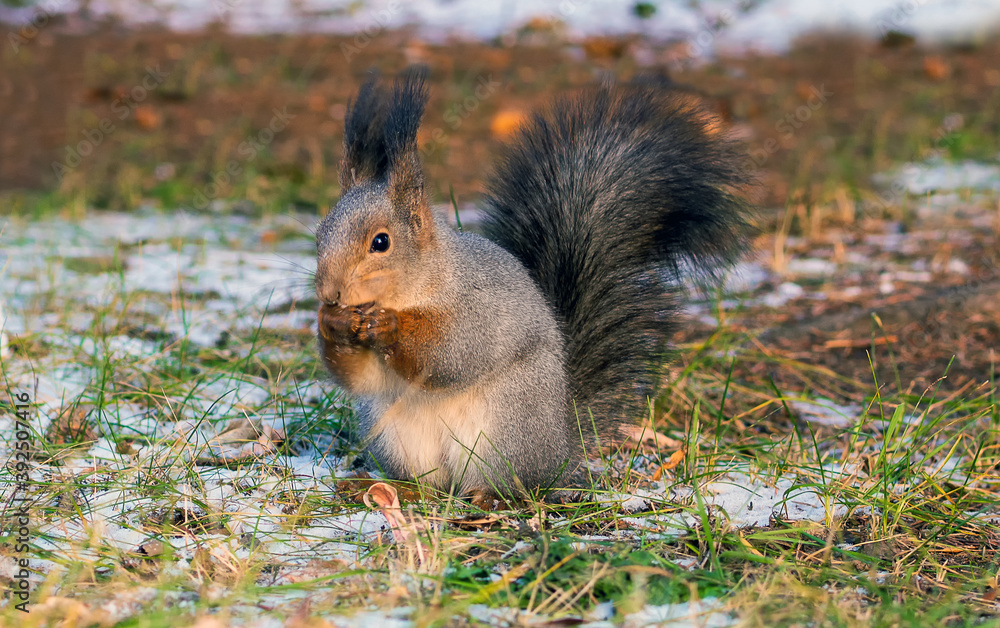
{"x":378,"y":327}
{"x":339,"y":324}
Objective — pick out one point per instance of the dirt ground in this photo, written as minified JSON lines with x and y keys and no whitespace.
{"x":870,"y":104}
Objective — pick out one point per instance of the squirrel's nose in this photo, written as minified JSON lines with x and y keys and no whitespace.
{"x":327,"y":291}
{"x":334,"y":301}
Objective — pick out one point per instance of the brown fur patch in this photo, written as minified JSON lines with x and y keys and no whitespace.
{"x":352,"y":338}
{"x":417,"y":331}
{"x":345,"y":362}
{"x":338,"y":324}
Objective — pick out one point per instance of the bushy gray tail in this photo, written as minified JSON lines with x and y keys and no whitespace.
{"x":604,"y":198}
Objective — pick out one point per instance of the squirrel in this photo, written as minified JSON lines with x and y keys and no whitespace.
{"x":489,"y":365}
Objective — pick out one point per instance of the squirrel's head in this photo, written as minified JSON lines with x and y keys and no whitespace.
{"x":370,"y":246}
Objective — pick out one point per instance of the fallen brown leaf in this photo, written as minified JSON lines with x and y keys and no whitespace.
{"x":384,"y":497}
{"x":674,"y":460}
{"x":936,"y":68}
{"x":72,"y":425}
{"x":147,"y":117}
{"x":355,"y":486}
{"x":642,"y":435}
{"x":859,"y":343}
{"x":506,"y":122}
{"x":474,"y":523}
{"x":150,"y":548}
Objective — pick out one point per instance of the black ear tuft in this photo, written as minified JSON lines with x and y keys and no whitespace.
{"x":365,"y":155}
{"x":409,"y":97}
{"x":406,"y":178}
{"x":380,"y":129}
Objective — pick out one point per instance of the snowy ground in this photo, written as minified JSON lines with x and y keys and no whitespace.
{"x":710,"y":25}
{"x":181,"y":344}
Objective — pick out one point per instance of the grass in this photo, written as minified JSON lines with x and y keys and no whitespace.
{"x":137,"y":529}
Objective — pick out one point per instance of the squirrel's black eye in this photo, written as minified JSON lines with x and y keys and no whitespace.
{"x":380,"y":243}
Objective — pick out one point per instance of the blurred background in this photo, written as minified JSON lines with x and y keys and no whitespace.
{"x":122,"y":104}
{"x":873,"y":129}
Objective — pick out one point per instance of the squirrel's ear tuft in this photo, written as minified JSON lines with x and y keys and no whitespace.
{"x":406,"y":179}
{"x":365,"y":153}
{"x":380,"y":141}
{"x":409,"y":97}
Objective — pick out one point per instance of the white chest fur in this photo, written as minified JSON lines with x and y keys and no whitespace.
{"x":437,"y":437}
